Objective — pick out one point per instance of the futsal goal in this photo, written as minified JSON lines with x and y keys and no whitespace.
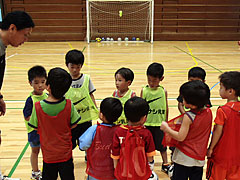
{"x":120,"y":19}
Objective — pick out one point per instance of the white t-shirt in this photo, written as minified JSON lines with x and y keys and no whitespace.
{"x":77,"y":83}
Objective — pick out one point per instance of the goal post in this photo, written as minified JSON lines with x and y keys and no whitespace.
{"x":120,"y":19}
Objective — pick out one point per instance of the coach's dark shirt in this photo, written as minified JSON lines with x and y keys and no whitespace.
{"x":2,"y":62}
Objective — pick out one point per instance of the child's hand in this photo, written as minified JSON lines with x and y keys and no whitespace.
{"x":209,"y":153}
{"x":164,"y":127}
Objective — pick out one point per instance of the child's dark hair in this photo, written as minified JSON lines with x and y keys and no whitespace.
{"x":196,"y":93}
{"x":155,"y":70}
{"x":126,"y":73}
{"x":59,"y":81}
{"x":231,"y":80}
{"x":20,"y":19}
{"x":75,"y":57}
{"x":135,"y":108}
{"x":197,"y":72}
{"x":111,"y":108}
{"x":36,"y":71}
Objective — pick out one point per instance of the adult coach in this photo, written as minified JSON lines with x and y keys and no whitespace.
{"x":15,"y":29}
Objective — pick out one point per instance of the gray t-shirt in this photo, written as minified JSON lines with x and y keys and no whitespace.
{"x":180,"y":158}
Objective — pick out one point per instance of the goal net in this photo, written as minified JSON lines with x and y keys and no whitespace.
{"x":120,"y":19}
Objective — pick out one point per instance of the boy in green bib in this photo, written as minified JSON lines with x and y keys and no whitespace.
{"x":81,"y":94}
{"x":156,"y":96}
{"x":37,"y":78}
{"x":123,"y":79}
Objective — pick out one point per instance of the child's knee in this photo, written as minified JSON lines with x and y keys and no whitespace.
{"x":35,"y":150}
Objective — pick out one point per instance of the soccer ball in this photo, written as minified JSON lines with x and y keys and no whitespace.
{"x":98,"y":39}
{"x":153,"y":176}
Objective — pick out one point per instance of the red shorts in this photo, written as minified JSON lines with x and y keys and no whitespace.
{"x":217,"y":172}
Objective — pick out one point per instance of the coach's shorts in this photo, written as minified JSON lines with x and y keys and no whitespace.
{"x":157,"y":134}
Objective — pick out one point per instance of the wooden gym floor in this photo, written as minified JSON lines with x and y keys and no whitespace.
{"x":102,"y":60}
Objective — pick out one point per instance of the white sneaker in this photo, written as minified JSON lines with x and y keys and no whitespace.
{"x":36,"y":175}
{"x":7,"y":178}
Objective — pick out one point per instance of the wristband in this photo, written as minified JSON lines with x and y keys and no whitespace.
{"x":1,"y":96}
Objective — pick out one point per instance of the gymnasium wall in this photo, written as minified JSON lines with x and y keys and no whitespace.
{"x":64,"y":20}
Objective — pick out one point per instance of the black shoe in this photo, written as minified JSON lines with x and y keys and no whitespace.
{"x":165,"y":168}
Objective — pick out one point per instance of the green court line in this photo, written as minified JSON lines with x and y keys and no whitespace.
{"x":18,"y":160}
{"x":84,"y":48}
{"x":199,"y":59}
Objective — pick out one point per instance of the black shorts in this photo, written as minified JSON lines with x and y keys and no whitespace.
{"x":78,"y":131}
{"x":157,"y":134}
{"x":181,"y":172}
{"x":65,"y":170}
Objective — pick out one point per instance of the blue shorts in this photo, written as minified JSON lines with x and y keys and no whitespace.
{"x":35,"y":144}
{"x":34,"y":139}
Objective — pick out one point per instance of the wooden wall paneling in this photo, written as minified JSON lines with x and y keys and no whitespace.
{"x":192,"y":1}
{"x":222,"y":15}
{"x":221,"y":29}
{"x":227,"y":2}
{"x":57,"y":15}
{"x":47,"y":7}
{"x":57,"y":22}
{"x":17,"y":1}
{"x":59,"y":29}
{"x":52,"y":1}
{"x":191,"y":29}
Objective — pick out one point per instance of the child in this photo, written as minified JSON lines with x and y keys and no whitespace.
{"x":224,"y":149}
{"x":133,"y":145}
{"x":192,"y":138}
{"x":37,"y":78}
{"x":195,"y":73}
{"x":156,"y":96}
{"x":97,"y":140}
{"x":53,"y":118}
{"x":81,"y":94}
{"x":123,"y":79}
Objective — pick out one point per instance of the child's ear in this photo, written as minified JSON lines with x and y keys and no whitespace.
{"x":12,"y":28}
{"x":143,"y":119}
{"x":231,"y":91}
{"x":129,"y":82}
{"x":101,"y":115}
{"x":161,"y":78}
{"x":48,"y":88}
{"x":30,"y":82}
